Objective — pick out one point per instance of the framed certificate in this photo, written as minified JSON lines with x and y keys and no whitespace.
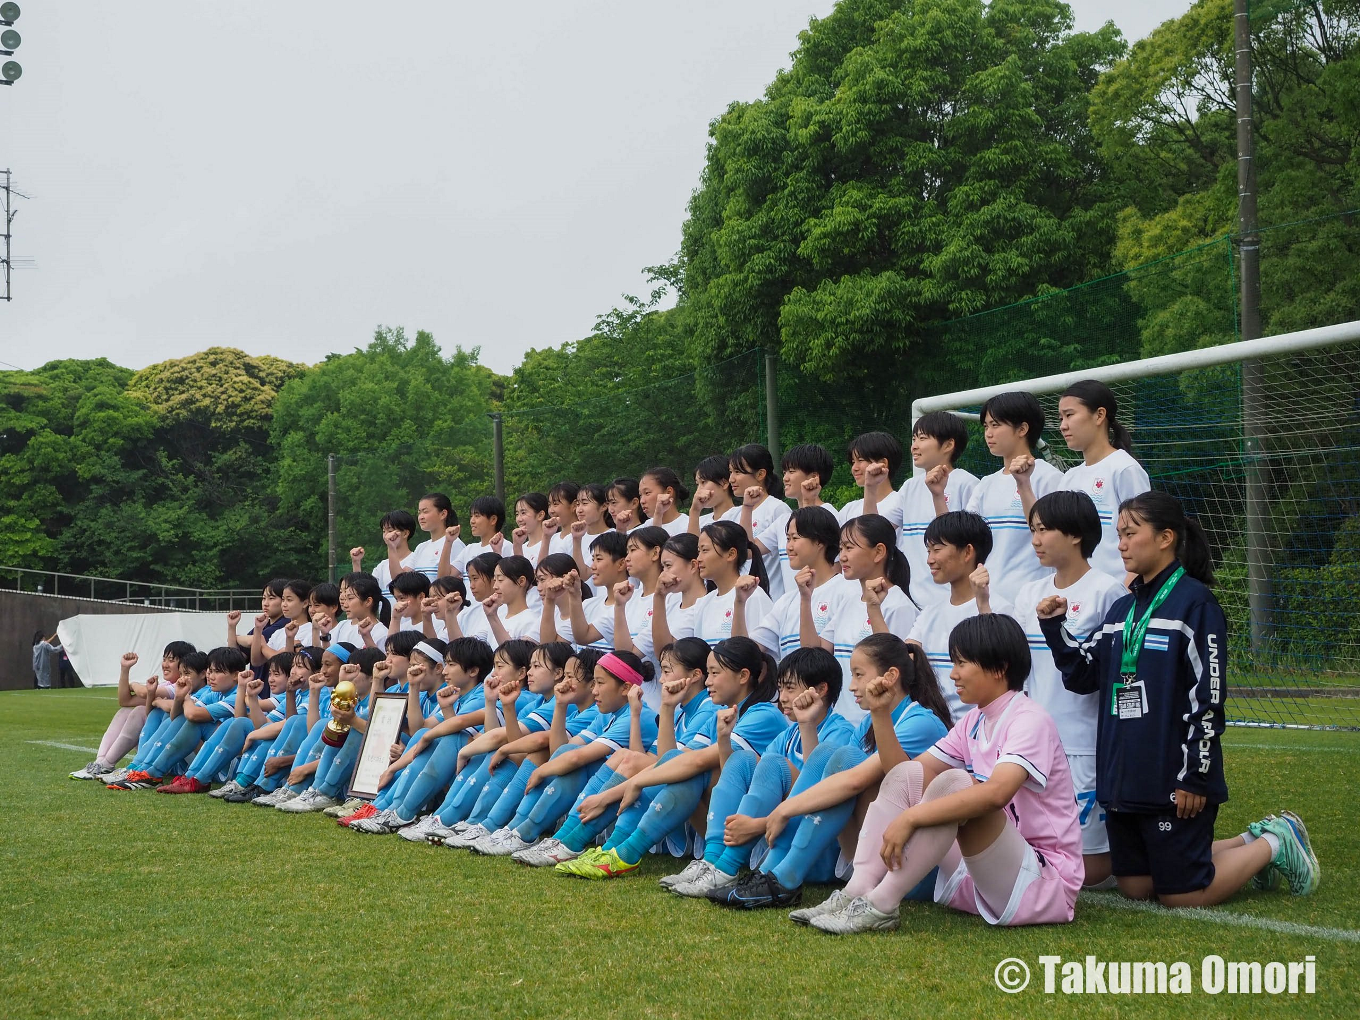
{"x":385,"y":719}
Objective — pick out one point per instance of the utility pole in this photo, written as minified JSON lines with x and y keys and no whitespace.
{"x":1253,"y":373}
{"x":330,"y":514}
{"x":10,"y":213}
{"x":772,"y":404}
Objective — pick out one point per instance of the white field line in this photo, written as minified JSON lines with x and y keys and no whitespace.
{"x":1118,"y":902}
{"x":65,"y":747}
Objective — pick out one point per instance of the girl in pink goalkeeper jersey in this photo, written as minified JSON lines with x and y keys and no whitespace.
{"x":991,"y":804}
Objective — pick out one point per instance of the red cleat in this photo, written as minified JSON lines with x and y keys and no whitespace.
{"x":185,"y":784}
{"x":367,"y":811}
{"x":175,"y":785}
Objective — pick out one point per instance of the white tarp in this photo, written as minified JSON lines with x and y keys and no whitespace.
{"x":95,"y":644}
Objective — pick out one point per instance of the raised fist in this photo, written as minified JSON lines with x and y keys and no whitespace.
{"x":1053,"y":605}
{"x":937,"y":478}
{"x":129,"y":659}
{"x":753,"y":496}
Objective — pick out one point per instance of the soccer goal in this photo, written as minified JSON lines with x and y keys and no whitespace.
{"x":1260,"y":440}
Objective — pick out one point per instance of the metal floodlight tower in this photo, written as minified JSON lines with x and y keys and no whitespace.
{"x":10,"y":40}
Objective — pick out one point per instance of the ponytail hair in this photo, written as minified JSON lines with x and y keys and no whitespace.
{"x":738,"y":653}
{"x":599,"y":495}
{"x":666,"y":478}
{"x":727,"y":536}
{"x":1164,"y":512}
{"x":752,"y":458}
{"x":516,"y":569}
{"x":644,"y":669}
{"x":627,"y":489}
{"x":365,"y":588}
{"x":875,"y":529}
{"x":1097,"y":396}
{"x":914,"y":675}
{"x":689,"y":654}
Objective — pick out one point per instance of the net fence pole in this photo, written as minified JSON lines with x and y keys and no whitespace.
{"x":330,"y":516}
{"x":498,"y":453}
{"x":772,"y":404}
{"x":1253,"y":373}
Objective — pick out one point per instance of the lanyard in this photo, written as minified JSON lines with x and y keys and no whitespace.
{"x":1135,"y":633}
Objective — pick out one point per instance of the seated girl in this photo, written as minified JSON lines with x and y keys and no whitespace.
{"x":686,"y":722}
{"x":661,"y":798}
{"x":299,"y":735}
{"x":196,"y":711}
{"x":366,"y":612}
{"x":633,"y":601}
{"x":426,"y":770}
{"x":507,"y":607}
{"x":141,"y":709}
{"x":679,"y":588}
{"x":328,"y":765}
{"x":260,"y":741}
{"x":461,"y":610}
{"x":1008,"y":848}
{"x":751,"y":786}
{"x":893,"y":681}
{"x":551,"y":789}
{"x":592,"y":620}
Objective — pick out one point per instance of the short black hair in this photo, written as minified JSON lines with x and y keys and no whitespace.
{"x":716,"y":469}
{"x":195,"y":661}
{"x":484,"y":564}
{"x":813,"y":666}
{"x":961,"y":529}
{"x":411,"y":582}
{"x":1072,"y":513}
{"x":404,"y":641}
{"x":398,"y":520}
{"x":564,"y":491}
{"x":275,"y":586}
{"x":326,"y":594}
{"x":878,"y":446}
{"x":300,"y":588}
{"x":177,"y":650}
{"x":489,"y":506}
{"x":227,"y":659}
{"x":367,"y":658}
{"x":472,"y":654}
{"x":1016,"y":408}
{"x":810,"y":459}
{"x":439,"y":646}
{"x":943,"y":426}
{"x":535,"y":501}
{"x":995,"y":642}
{"x":283,"y":661}
{"x":613,"y":544}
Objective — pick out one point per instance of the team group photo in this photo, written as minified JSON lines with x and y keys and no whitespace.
{"x":936,"y":596}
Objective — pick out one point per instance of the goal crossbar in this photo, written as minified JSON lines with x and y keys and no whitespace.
{"x":1206,"y":357}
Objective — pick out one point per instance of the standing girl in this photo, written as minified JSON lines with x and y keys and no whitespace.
{"x":366,"y":612}
{"x":661,"y":493}
{"x":722,"y":551}
{"x":592,"y":521}
{"x":812,"y":546}
{"x":881,"y":605}
{"x":507,"y":607}
{"x":1108,"y":473}
{"x":625,"y":504}
{"x":712,"y":494}
{"x":679,"y":589}
{"x":531,"y":510}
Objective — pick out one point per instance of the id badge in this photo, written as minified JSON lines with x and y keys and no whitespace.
{"x":1131,"y":699}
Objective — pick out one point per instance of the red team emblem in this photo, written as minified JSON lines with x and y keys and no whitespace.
{"x":1075,"y":608}
{"x":1100,"y":484}
{"x":728,"y":614}
{"x":822,"y":608}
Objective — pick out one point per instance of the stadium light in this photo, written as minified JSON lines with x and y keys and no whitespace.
{"x":10,"y":40}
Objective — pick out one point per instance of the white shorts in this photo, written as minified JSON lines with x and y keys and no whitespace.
{"x":1094,"y":838}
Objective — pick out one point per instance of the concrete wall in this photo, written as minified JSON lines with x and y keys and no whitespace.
{"x":21,"y":613}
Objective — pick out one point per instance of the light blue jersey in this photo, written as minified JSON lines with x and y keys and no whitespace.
{"x":696,"y":722}
{"x":917,"y":727}
{"x":758,"y":727}
{"x":581,"y":719}
{"x":833,"y":731}
{"x":614,"y":729}
{"x":220,"y":706}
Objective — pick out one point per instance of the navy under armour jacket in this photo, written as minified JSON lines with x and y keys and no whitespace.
{"x":1142,"y":762}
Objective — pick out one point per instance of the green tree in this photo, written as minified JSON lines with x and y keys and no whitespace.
{"x":919,"y":161}
{"x":403,"y":420}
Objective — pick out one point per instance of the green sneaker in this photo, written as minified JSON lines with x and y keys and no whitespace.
{"x":1296,"y":861}
{"x":1268,"y":878}
{"x":581,"y":867}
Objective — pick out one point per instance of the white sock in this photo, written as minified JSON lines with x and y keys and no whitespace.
{"x":1247,"y":838}
{"x":1273,"y":841}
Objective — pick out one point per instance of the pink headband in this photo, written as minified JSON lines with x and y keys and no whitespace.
{"x":621,"y":669}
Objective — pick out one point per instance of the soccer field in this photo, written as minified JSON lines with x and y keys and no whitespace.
{"x":141,"y":905}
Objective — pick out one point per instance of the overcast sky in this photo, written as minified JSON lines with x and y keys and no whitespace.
{"x":282,"y":177}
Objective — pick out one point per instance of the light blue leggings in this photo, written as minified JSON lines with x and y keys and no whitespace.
{"x":219,"y":749}
{"x":541,"y":808}
{"x":288,"y":741}
{"x":652,"y":818}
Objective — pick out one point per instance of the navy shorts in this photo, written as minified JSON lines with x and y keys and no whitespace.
{"x":1176,"y":852}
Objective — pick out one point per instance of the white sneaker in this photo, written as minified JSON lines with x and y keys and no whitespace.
{"x":381,"y":824}
{"x":117,"y":775}
{"x":347,"y":808}
{"x":438,"y":831}
{"x":419,"y":830}
{"x":229,"y":787}
{"x":709,"y":880}
{"x":858,"y":915}
{"x":833,"y":904}
{"x":92,"y":771}
{"x":463,"y":840}
{"x":461,"y":827}
{"x":270,"y":799}
{"x":311,"y":800}
{"x":692,"y":871}
{"x":545,"y":854}
{"x":501,"y":843}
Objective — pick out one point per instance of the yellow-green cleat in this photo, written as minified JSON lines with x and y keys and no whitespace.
{"x":581,"y":867}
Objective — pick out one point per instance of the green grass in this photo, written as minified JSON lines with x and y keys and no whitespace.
{"x":138,"y":905}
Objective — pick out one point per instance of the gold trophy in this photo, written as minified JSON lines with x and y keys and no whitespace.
{"x":344,"y":698}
